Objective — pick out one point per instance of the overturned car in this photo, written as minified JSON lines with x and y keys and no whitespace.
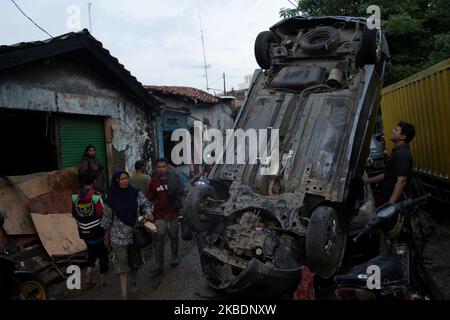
{"x":320,"y":86}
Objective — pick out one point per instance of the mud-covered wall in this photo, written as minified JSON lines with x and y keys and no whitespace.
{"x":131,"y":134}
{"x":63,"y":86}
{"x":218,"y":116}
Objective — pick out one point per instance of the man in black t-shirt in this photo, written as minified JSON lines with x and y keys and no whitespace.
{"x":398,"y":173}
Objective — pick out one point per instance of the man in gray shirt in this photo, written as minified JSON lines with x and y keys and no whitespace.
{"x":140,"y":179}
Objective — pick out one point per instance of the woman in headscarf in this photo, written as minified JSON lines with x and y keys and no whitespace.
{"x":123,"y":205}
{"x":89,"y":161}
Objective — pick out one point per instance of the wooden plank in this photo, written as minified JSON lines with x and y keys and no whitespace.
{"x":39,"y":184}
{"x":15,"y":205}
{"x":58,"y":233}
{"x":52,"y":202}
{"x":45,"y":192}
{"x":35,"y":186}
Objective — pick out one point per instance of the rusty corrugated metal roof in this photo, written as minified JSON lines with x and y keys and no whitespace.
{"x":197,"y":95}
{"x":24,"y":52}
{"x":25,"y":45}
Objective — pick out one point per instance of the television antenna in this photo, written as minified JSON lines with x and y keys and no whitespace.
{"x":205,"y":65}
{"x":89,"y":13}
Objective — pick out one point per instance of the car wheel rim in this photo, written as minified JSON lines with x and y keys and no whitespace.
{"x":331,"y":235}
{"x":269,"y":48}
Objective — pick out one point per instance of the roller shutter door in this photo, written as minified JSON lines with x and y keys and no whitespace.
{"x":76,"y":132}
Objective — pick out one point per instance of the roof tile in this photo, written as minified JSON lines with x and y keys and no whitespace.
{"x":188,"y":92}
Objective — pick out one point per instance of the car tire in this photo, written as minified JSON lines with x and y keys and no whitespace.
{"x":263,"y":46}
{"x":192,"y":215}
{"x":325,"y":242}
{"x":320,"y":40}
{"x":370,"y":50}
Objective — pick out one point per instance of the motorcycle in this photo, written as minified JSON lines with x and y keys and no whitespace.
{"x":395,"y":275}
{"x":16,"y":284}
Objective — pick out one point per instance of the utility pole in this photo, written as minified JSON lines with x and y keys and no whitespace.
{"x":224,"y":85}
{"x":89,"y":13}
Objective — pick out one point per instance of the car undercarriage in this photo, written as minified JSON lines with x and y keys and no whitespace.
{"x":321,"y":89}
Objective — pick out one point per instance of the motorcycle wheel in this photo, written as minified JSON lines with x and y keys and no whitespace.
{"x":33,"y":290}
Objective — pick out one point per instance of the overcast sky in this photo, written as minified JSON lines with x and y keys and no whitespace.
{"x":158,"y":40}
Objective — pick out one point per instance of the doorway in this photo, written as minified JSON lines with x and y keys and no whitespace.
{"x":28,"y":142}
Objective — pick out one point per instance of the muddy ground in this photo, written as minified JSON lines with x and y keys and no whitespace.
{"x":186,"y":281}
{"x":437,"y":256}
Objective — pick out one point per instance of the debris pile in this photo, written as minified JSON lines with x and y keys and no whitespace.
{"x":39,"y":231}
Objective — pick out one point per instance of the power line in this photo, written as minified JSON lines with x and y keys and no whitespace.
{"x":217,"y":80}
{"x":295,"y":5}
{"x":31,"y":19}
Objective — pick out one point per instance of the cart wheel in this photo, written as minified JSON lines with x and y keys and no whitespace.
{"x":33,"y":290}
